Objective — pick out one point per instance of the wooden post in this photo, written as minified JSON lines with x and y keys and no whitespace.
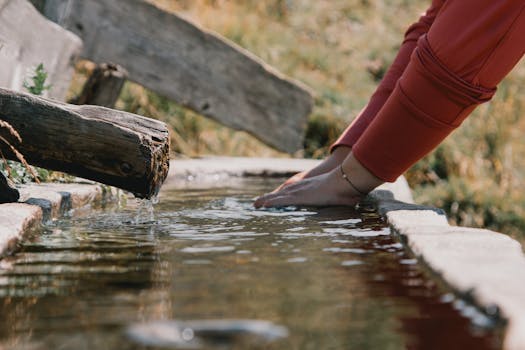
{"x":113,"y":147}
{"x":192,"y":66}
{"x":103,"y":86}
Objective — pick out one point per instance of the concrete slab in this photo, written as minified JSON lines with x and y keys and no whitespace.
{"x":41,"y":203}
{"x":62,"y":197}
{"x":488,"y":267}
{"x":16,"y":220}
{"x":205,"y":168}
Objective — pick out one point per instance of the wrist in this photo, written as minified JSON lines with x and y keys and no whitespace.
{"x":331,"y":162}
{"x":350,"y":183}
{"x":361,"y":178}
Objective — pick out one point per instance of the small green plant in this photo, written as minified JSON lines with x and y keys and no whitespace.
{"x":38,"y":81}
{"x":22,"y":173}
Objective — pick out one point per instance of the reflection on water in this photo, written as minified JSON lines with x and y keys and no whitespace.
{"x":207,"y":264}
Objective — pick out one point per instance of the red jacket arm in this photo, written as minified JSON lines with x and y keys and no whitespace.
{"x":352,"y":133}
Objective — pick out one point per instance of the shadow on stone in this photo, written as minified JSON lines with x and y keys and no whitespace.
{"x":66,"y":202}
{"x":45,"y":204}
{"x":385,"y":202}
{"x":7,"y":193}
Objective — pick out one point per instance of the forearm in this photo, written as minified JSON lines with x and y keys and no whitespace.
{"x":350,"y":136}
{"x":329,"y":163}
{"x":454,"y":69}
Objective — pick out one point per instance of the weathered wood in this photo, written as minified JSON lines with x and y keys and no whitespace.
{"x":113,"y":147}
{"x":7,"y":193}
{"x":192,"y":66}
{"x":27,"y":39}
{"x":103,"y":86}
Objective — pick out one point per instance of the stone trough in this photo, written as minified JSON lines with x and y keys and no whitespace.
{"x":487,"y":268}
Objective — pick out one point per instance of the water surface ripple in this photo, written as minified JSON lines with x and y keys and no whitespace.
{"x":206,"y":270}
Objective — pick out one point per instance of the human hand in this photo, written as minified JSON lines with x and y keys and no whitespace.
{"x":295,"y":178}
{"x":328,"y":189}
{"x":343,"y":185}
{"x":329,"y":163}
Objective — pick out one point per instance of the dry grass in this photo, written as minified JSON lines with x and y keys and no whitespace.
{"x":13,"y":133}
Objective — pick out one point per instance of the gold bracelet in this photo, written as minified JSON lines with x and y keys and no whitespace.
{"x":350,"y":182}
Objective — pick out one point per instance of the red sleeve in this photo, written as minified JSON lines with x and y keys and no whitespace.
{"x":456,"y":66}
{"x":385,"y":88}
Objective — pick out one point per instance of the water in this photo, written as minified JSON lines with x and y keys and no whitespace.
{"x":205,"y":270}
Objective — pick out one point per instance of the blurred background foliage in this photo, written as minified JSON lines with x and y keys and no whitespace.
{"x":341,"y":49}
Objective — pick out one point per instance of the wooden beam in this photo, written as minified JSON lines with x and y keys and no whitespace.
{"x":27,"y":39}
{"x":195,"y":67}
{"x":113,"y":147}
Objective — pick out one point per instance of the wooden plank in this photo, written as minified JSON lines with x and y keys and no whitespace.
{"x":190,"y":65}
{"x":113,"y":147}
{"x":27,"y":39}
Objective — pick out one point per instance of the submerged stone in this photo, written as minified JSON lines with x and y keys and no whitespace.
{"x":197,"y":333}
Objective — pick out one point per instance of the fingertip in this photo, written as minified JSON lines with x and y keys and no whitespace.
{"x":275,"y":202}
{"x":259,"y":201}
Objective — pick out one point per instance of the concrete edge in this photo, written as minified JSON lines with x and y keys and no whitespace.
{"x":486,"y":267}
{"x":40,"y":203}
{"x":209,"y":169}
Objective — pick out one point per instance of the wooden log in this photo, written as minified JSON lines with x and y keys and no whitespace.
{"x":27,"y":39}
{"x":113,"y":147}
{"x":103,"y":86}
{"x":195,"y":67}
{"x":7,"y":193}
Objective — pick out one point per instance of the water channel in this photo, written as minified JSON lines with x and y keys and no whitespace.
{"x":206,"y":270}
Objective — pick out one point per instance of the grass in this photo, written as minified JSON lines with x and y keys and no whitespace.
{"x":341,"y":48}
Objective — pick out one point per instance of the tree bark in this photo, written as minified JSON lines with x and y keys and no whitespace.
{"x":103,"y":86}
{"x":113,"y":147}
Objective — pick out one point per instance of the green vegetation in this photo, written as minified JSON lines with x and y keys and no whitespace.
{"x":21,"y":172}
{"x":37,"y":86}
{"x":341,"y":48}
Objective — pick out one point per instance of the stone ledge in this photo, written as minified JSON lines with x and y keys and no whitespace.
{"x":207,"y":168}
{"x":485,"y":266}
{"x":16,"y":219}
{"x":40,"y":203}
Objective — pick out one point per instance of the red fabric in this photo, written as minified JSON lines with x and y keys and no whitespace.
{"x":470,"y":46}
{"x":350,"y":136}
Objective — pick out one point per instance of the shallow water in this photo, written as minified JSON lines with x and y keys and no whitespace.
{"x":206,"y":270}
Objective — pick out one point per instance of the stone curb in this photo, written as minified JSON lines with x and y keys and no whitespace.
{"x":484,"y":266}
{"x":208,"y":169}
{"x":40,"y":203}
